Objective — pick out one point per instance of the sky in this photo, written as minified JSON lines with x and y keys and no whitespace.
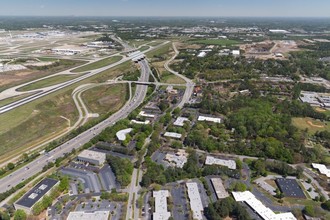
{"x":217,"y":8}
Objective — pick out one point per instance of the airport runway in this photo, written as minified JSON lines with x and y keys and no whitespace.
{"x":36,"y":166}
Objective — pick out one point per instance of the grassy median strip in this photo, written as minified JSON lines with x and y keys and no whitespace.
{"x":106,"y":98}
{"x":30,"y":124}
{"x":48,"y":82}
{"x":98,"y":64}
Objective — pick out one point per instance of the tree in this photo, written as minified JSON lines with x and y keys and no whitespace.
{"x":326,"y":205}
{"x":20,"y":215}
{"x":239,"y":164}
{"x":4,"y":216}
{"x":10,"y":166}
{"x":309,"y":210}
{"x":64,"y":184}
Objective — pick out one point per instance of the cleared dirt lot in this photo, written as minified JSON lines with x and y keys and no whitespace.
{"x":269,"y":49}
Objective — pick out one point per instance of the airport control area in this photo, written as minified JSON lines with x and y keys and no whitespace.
{"x":164,"y":118}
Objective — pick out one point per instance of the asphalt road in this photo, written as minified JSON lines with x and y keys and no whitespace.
{"x":36,"y":166}
{"x":48,"y":90}
{"x":189,"y":83}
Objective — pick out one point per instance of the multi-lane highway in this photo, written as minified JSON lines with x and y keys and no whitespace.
{"x":48,"y":90}
{"x":36,"y":166}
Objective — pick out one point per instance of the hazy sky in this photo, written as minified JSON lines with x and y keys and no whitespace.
{"x":254,"y":8}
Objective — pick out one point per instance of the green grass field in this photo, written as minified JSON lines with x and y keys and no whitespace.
{"x":24,"y":127}
{"x":153,"y":44}
{"x":167,"y":77}
{"x":143,"y":48}
{"x":222,"y":42}
{"x":166,"y":49}
{"x":13,"y":99}
{"x":311,"y":124}
{"x":39,"y":72}
{"x":104,"y":99}
{"x":98,"y":64}
{"x":48,"y":82}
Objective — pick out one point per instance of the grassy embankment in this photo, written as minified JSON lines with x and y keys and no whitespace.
{"x":159,"y":58}
{"x":98,"y":64}
{"x":35,"y":122}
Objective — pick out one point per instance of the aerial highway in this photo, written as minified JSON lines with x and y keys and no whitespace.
{"x":36,"y":166}
{"x":48,"y":90}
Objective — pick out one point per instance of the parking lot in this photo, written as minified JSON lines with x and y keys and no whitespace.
{"x":180,"y":201}
{"x":87,"y":178}
{"x":108,"y":178}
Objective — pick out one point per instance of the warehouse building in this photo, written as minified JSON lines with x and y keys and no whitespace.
{"x":35,"y":195}
{"x":93,"y":157}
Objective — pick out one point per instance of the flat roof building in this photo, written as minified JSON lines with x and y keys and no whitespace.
{"x":140,"y":122}
{"x":209,"y":119}
{"x":310,"y":98}
{"x":231,"y":164}
{"x":99,"y":215}
{"x":161,"y":212}
{"x":180,"y":121}
{"x":144,"y":114}
{"x":35,"y":195}
{"x":121,"y":135}
{"x":219,"y":189}
{"x":93,"y":157}
{"x":173,"y":135}
{"x":178,"y":159}
{"x":236,"y":52}
{"x":202,"y":54}
{"x":264,"y":212}
{"x":290,"y":188}
{"x":322,"y":169}
{"x":195,"y":201}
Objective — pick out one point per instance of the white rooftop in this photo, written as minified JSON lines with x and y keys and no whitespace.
{"x":178,"y":159}
{"x":144,"y":114}
{"x":180,"y":121}
{"x":172,"y":135}
{"x":231,"y":164}
{"x":219,"y":189}
{"x":322,"y":169}
{"x":121,"y":135}
{"x":93,"y":155}
{"x":141,"y":122}
{"x":195,"y":201}
{"x":210,"y":119}
{"x":264,"y":212}
{"x":161,"y":212}
{"x":202,"y":54}
{"x":236,"y":52}
{"x":99,"y":215}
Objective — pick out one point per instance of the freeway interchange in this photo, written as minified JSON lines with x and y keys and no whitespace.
{"x":36,"y":166}
{"x":48,"y":90}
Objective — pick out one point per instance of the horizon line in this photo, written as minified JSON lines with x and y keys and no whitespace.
{"x":163,"y":16}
